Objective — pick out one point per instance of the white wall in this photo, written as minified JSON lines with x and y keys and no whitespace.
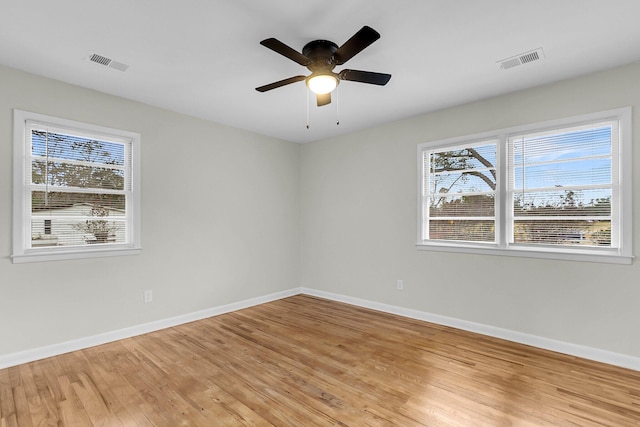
{"x":359,"y":216}
{"x":220,"y":222}
{"x":234,"y":231}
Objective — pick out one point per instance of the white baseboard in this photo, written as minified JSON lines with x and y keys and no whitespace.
{"x":26,"y":356}
{"x":585,"y":352}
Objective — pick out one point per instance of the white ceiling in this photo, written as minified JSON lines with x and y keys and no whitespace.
{"x":203,"y":57}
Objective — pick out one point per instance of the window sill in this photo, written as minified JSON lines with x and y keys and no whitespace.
{"x":37,"y":255}
{"x":601,"y":256}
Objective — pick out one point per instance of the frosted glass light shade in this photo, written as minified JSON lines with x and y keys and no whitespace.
{"x":322,"y":83}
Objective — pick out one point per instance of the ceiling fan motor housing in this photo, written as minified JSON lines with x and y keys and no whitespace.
{"x":320,"y":52}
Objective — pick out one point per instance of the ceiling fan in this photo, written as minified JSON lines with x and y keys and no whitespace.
{"x":321,"y":57}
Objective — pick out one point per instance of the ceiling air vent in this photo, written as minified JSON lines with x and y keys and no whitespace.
{"x":107,"y":62}
{"x":523,"y":58}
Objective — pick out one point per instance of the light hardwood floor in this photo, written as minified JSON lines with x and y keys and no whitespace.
{"x":305,"y":361}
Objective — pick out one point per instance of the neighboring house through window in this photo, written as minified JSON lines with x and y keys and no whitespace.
{"x":76,"y":189}
{"x":558,"y":189}
{"x":47,"y":226}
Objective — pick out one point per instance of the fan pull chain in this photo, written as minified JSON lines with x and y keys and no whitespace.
{"x":337,"y":109}
{"x":307,"y":108}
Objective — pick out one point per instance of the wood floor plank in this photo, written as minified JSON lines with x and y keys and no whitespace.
{"x":305,"y":361}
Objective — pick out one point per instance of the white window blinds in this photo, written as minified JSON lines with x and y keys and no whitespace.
{"x":78,"y":186}
{"x":459,"y":193}
{"x":76,"y":189}
{"x":557,"y":189}
{"x":562,"y":183}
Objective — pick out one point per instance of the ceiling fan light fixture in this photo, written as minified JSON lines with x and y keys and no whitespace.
{"x":322,"y":84}
{"x":321,"y":57}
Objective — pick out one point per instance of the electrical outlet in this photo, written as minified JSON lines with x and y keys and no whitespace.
{"x":148,"y":296}
{"x":399,"y":285}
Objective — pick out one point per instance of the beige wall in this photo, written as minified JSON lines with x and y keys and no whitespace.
{"x":220,"y":218}
{"x":359,"y":216}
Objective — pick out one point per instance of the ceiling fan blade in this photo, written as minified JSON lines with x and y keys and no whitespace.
{"x":280,"y":83}
{"x":356,"y":44}
{"x":323,"y":99}
{"x":284,"y":50}
{"x":379,"y":79}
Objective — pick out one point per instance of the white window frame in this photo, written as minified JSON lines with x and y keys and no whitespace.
{"x":621,"y":156}
{"x":22,"y":250}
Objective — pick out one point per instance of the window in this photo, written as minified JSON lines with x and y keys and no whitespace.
{"x":558,"y":189}
{"x":460,"y":187}
{"x":76,"y":189}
